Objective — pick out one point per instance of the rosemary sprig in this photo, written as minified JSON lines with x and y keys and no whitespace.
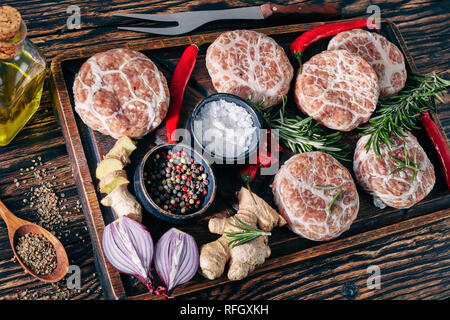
{"x":406,"y":164}
{"x":327,"y":187}
{"x":401,"y":112}
{"x":302,"y":135}
{"x":330,"y":205}
{"x":248,"y":233}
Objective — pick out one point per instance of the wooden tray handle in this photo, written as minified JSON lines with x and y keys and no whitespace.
{"x":329,"y":10}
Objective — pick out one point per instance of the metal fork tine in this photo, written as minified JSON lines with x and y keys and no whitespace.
{"x":170,"y":17}
{"x":162,"y":31}
{"x":188,"y":21}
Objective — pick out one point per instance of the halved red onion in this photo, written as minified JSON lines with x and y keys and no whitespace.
{"x":128,"y":246}
{"x":176,"y":258}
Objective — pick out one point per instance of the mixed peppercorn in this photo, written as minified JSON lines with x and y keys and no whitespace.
{"x":176,"y":182}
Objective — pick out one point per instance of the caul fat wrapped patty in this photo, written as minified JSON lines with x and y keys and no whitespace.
{"x":316,"y":195}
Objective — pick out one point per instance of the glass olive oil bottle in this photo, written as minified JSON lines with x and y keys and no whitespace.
{"x":22,"y":74}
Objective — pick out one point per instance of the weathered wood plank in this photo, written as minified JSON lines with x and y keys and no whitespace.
{"x":42,"y":136}
{"x":48,"y":17}
{"x":283,"y":243}
{"x":412,"y":256}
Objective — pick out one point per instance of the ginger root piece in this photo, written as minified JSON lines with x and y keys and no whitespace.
{"x":246,"y":257}
{"x":124,"y":203}
{"x":122,"y":150}
{"x":120,"y":155}
{"x":107,"y":166}
{"x":114,"y":181}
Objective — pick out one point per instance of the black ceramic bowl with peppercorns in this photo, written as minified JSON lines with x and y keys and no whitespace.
{"x":174,"y":183}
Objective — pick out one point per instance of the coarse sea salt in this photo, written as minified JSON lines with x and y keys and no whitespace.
{"x":224,"y":128}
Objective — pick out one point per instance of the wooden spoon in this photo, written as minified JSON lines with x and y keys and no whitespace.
{"x":18,"y":227}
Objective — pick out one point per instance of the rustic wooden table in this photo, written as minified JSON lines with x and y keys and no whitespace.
{"x":414,"y":259}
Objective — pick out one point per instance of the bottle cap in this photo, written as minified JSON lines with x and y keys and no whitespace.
{"x":10,"y":21}
{"x":10,"y":25}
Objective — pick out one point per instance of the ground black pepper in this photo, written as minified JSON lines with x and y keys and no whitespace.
{"x":37,"y":253}
{"x":40,"y":176}
{"x":52,"y":210}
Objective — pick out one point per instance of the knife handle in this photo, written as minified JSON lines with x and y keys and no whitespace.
{"x":329,"y":10}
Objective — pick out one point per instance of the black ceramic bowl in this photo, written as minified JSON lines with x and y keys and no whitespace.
{"x":148,"y":203}
{"x":240,"y":102}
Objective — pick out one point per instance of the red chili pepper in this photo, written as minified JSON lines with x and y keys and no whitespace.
{"x":265,"y":155}
{"x":264,"y":159}
{"x":326,"y":30}
{"x":248,"y":173}
{"x":178,"y":85}
{"x":440,"y":144}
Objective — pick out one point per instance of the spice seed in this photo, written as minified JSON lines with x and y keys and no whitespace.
{"x":37,"y":253}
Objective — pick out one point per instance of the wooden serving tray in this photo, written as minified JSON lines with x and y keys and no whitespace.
{"x":86,"y":148}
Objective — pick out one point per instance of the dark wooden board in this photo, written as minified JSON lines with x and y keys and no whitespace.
{"x":424,"y":26}
{"x":87,"y":147}
{"x":321,"y":272}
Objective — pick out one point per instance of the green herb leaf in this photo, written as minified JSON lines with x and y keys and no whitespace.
{"x":406,"y":164}
{"x":401,"y":112}
{"x":248,"y":233}
{"x":333,"y":201}
{"x":327,"y":187}
{"x":302,"y":134}
{"x":330,"y":205}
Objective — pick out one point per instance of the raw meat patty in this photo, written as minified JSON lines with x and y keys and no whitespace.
{"x":300,"y":190}
{"x":396,"y":189}
{"x":121,"y":92}
{"x":249,"y":64}
{"x":337,"y":88}
{"x":384,"y":57}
